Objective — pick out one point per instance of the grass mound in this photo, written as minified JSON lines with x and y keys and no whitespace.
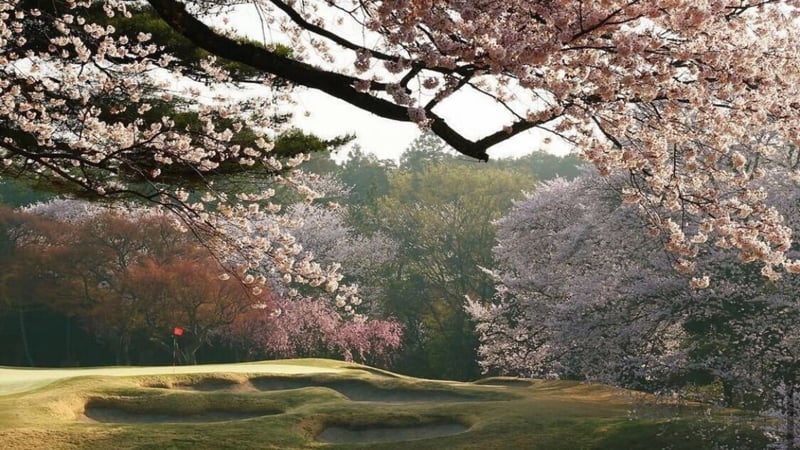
{"x":212,"y":383}
{"x":112,"y":415}
{"x":312,"y":404}
{"x":365,"y":391}
{"x":504,"y":381}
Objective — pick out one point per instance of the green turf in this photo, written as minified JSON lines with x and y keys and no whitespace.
{"x":288,"y":404}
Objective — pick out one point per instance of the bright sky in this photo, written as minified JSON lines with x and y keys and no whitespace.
{"x":327,"y":116}
{"x":470,"y":113}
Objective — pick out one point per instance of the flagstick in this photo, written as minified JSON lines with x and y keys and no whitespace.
{"x":176,"y":332}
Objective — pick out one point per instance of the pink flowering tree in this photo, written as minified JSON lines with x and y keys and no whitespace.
{"x":332,"y":321}
{"x":661,"y":91}
{"x":324,"y":232}
{"x":582,"y":294}
{"x":90,"y":104}
{"x":312,"y":327}
{"x":572,"y":301}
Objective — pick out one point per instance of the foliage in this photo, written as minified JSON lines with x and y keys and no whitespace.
{"x":542,"y":166}
{"x":325,"y":233}
{"x":301,"y":321}
{"x":109,"y":102}
{"x":668,"y":93}
{"x":129,"y":281}
{"x":130,"y":277}
{"x":441,"y":215}
{"x":367,"y":179}
{"x":584,"y":295}
{"x":313,"y":327}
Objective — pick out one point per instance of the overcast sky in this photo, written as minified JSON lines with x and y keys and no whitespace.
{"x":327,"y":116}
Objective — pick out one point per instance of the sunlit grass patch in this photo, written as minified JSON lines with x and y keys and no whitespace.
{"x":337,"y":405}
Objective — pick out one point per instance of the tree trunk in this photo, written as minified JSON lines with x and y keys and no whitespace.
{"x":791,"y":417}
{"x":68,"y":343}
{"x":24,"y":334}
{"x":123,"y":356}
{"x":727,"y":394}
{"x":126,"y":350}
{"x":189,"y":353}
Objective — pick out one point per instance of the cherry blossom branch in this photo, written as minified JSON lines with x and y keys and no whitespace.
{"x":336,"y":84}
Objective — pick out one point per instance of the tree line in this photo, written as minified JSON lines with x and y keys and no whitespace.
{"x":412,"y":234}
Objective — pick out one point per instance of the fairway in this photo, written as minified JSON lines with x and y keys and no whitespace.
{"x":313,"y":403}
{"x":18,"y":380}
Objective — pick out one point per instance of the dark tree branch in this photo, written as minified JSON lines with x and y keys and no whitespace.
{"x":336,"y":84}
{"x":304,"y":24}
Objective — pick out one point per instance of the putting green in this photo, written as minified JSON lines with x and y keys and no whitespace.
{"x":14,"y":380}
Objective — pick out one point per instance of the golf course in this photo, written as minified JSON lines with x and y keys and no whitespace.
{"x":316,"y":403}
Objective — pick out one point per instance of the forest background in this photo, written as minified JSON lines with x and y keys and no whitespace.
{"x":432,"y":209}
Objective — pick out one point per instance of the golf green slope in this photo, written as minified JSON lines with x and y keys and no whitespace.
{"x":333,"y":405}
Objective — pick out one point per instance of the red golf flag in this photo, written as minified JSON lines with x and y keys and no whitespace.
{"x":178,"y":331}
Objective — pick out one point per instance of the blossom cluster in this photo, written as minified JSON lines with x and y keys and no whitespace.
{"x":598,"y":299}
{"x":678,"y":94}
{"x":687,"y":98}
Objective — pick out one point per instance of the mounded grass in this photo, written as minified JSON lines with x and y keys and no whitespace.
{"x":302,"y":404}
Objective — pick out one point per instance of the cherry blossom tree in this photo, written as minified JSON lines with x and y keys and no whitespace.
{"x":91,"y":105}
{"x":572,"y":299}
{"x":662,"y":91}
{"x":325,"y":233}
{"x":299,"y":321}
{"x":583,"y":295}
{"x":312,"y":327}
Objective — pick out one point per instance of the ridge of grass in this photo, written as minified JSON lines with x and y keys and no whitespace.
{"x":280,"y":405}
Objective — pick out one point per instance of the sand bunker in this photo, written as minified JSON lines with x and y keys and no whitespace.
{"x":340,"y":435}
{"x":362,"y":391}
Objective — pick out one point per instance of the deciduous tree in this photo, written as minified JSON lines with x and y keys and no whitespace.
{"x":583,"y":295}
{"x":312,"y":327}
{"x":663,"y":91}
{"x":91,"y":105}
{"x":441,"y":216}
{"x":25,"y":278}
{"x":130,"y":274}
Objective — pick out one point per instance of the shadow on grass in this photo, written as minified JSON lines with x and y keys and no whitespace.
{"x":174,"y":409}
{"x":342,"y":435}
{"x":682,"y":435}
{"x":211,"y":385}
{"x":362,"y":391}
{"x":504,"y":381}
{"x":114,"y":415}
{"x":384,"y":391}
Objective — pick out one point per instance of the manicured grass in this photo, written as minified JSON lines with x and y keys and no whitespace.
{"x":18,"y":380}
{"x":290,"y":405}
